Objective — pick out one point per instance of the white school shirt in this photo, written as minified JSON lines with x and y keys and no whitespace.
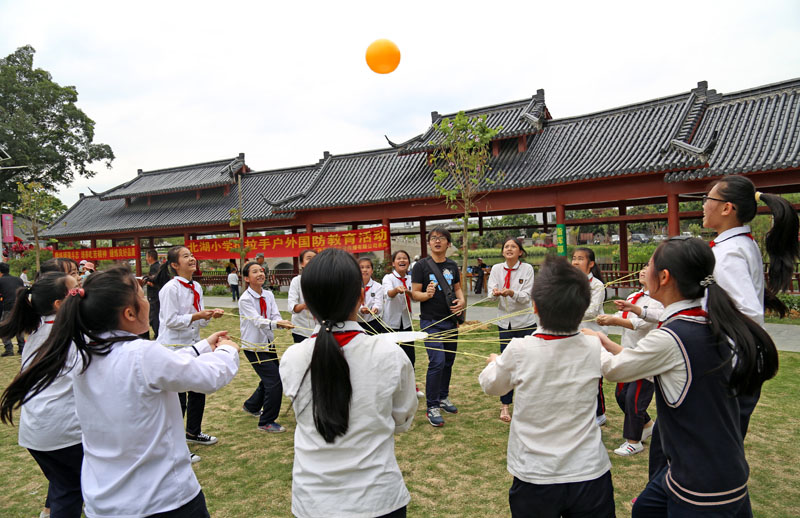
{"x":24,"y":278}
{"x":175,"y":315}
{"x":357,"y":475}
{"x":253,"y":327}
{"x":48,"y":420}
{"x":553,"y":438}
{"x":373,"y":299}
{"x":598,"y":295}
{"x":522,"y":285}
{"x":659,"y":353}
{"x":304,"y":318}
{"x":395,"y":309}
{"x":135,"y":459}
{"x":233,"y":279}
{"x":631,"y":337}
{"x":739,"y":261}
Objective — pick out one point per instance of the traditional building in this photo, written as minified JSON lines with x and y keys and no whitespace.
{"x":644,"y":153}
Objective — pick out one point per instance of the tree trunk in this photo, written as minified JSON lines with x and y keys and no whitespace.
{"x":465,"y":257}
{"x":242,"y":253}
{"x":35,"y":226}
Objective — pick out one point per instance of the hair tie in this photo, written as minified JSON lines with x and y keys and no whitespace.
{"x":758,"y":196}
{"x":708,"y":281}
{"x":76,"y":291}
{"x":328,"y":324}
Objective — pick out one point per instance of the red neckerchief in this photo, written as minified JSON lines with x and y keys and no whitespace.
{"x":507,"y":283}
{"x":49,"y":321}
{"x":408,"y":297}
{"x":712,"y":244}
{"x":263,"y":305}
{"x":691,"y":312}
{"x":633,"y":300}
{"x":196,"y":302}
{"x":343,"y":337}
{"x":366,"y":289}
{"x":545,"y":336}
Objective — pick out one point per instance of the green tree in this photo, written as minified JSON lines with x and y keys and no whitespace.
{"x":39,"y":208}
{"x":42,"y":128}
{"x":462,"y":171}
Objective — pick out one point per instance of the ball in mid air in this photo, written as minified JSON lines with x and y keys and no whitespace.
{"x":383,"y":56}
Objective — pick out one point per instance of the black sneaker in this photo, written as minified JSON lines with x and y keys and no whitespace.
{"x":7,"y":353}
{"x":201,"y":439}
{"x":254,"y":414}
{"x":435,"y":417}
{"x":448,"y":406}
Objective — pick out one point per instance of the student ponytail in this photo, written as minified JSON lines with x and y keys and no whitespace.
{"x":166,"y":272}
{"x":781,"y":242}
{"x":85,"y":314}
{"x":691,"y":263}
{"x":331,"y":285}
{"x":33,"y":303}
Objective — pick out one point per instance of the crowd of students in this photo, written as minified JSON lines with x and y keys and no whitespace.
{"x":98,"y":398}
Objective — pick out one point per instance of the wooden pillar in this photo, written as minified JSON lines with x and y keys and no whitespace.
{"x":152,"y":241}
{"x":480,"y":225}
{"x":673,"y":218}
{"x":113,"y":243}
{"x":387,"y":252}
{"x":353,"y":226}
{"x":93,"y":243}
{"x":423,"y":244}
{"x":138,"y":242}
{"x":185,"y":238}
{"x":295,"y":259}
{"x":544,"y":222}
{"x":623,"y":240}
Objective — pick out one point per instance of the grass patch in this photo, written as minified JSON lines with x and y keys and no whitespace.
{"x":458,"y":470}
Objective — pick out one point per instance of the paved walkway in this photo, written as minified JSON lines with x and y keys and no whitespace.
{"x":786,"y":336}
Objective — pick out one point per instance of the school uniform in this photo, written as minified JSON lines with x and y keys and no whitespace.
{"x":373,"y":299}
{"x":595,"y":309}
{"x":357,"y":475}
{"x":258,"y":317}
{"x":136,"y":462}
{"x":555,"y":449}
{"x":397,"y":310}
{"x":49,"y":429}
{"x":633,"y":398}
{"x":304,"y":320}
{"x":518,"y":278}
{"x":738,"y":260}
{"x":233,"y":282}
{"x":699,"y":421}
{"x":179,"y":299}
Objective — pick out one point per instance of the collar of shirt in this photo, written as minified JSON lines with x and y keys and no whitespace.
{"x":399,"y":277}
{"x":590,"y":276}
{"x":731,"y":232}
{"x":544,"y":331}
{"x":349,"y":325}
{"x":676,"y":307}
{"x":254,"y":294}
{"x":187,"y":281}
{"x":370,"y":284}
{"x":515,"y":267}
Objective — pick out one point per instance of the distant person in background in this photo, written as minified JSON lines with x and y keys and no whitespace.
{"x":88,"y":269}
{"x":153,"y":287}
{"x":233,"y":282}
{"x":263,"y":264}
{"x":8,"y":293}
{"x":24,"y":277}
{"x":60,"y":264}
{"x":411,"y":268}
{"x":479,"y":273}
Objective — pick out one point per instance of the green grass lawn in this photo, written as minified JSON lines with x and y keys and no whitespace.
{"x":458,"y":470}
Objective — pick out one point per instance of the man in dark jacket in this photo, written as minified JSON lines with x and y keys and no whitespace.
{"x":8,"y":293}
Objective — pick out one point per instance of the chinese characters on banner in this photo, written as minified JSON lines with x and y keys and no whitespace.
{"x":561,"y":239}
{"x":99,"y":254}
{"x":8,"y":228}
{"x":290,"y":245}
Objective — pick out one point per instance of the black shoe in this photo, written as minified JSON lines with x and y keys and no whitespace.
{"x":7,"y":353}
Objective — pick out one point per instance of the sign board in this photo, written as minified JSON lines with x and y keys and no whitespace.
{"x":8,"y":228}
{"x":100,"y":254}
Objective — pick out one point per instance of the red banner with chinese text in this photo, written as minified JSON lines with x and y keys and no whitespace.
{"x":100,"y":254}
{"x":290,"y":245}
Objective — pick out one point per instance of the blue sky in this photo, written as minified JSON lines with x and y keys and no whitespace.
{"x":174,"y":83}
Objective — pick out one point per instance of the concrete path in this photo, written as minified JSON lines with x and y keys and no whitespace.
{"x":786,"y":336}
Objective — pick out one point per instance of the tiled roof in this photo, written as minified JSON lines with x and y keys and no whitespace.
{"x":756,"y":130}
{"x":516,"y":118}
{"x":176,"y":179}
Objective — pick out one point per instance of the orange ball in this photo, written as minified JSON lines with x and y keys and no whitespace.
{"x":383,"y":56}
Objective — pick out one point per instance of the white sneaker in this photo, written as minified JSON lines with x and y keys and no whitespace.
{"x":647,"y":433}
{"x":629,"y":449}
{"x":44,"y":515}
{"x":600,"y":420}
{"x":194,"y":458}
{"x":420,"y":394}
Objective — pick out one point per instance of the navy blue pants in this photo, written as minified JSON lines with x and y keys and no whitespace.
{"x":440,"y":361}
{"x":267,"y":396}
{"x":633,"y":399}
{"x":655,"y":502}
{"x":505,"y":336}
{"x":407,"y":348}
{"x":194,"y":508}
{"x":298,"y":338}
{"x":588,"y":499}
{"x":63,"y":471}
{"x":235,"y":292}
{"x":193,"y":405}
